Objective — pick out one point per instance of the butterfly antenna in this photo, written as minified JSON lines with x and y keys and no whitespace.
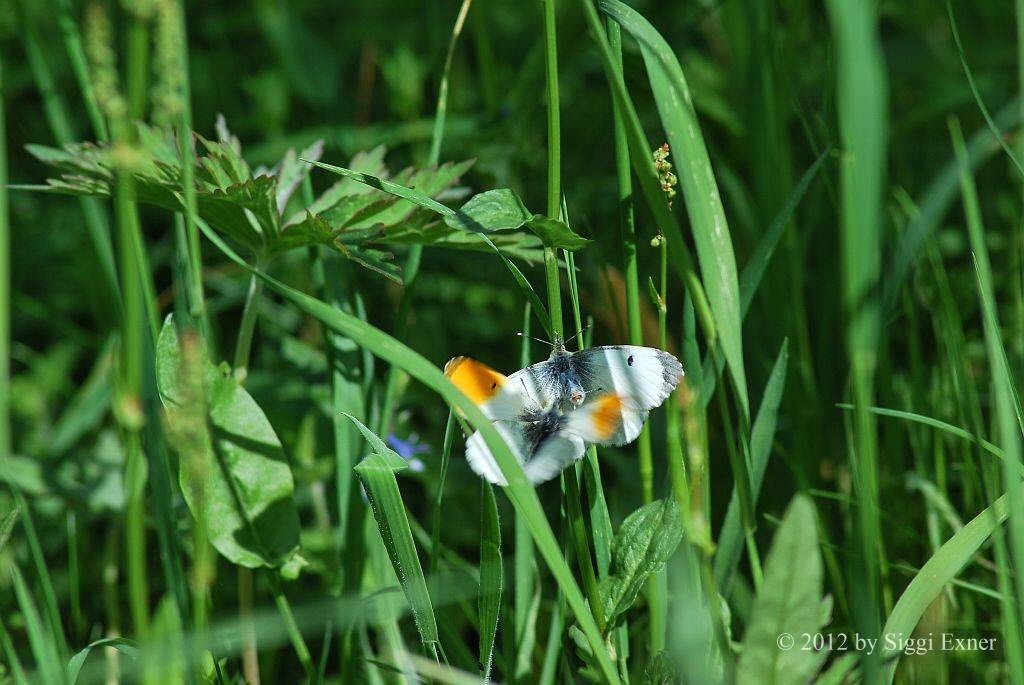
{"x":545,"y":342}
{"x":579,"y":334}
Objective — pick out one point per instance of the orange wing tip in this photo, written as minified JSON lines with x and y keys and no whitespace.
{"x":476,"y":380}
{"x":607,"y":415}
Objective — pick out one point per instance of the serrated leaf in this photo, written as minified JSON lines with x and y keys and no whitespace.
{"x":493,"y":210}
{"x":554,"y":233}
{"x":642,"y":546}
{"x":246,"y":491}
{"x":789,"y":601}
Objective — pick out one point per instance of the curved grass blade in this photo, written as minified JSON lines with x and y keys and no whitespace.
{"x":40,"y":640}
{"x":936,"y":200}
{"x":519,"y":490}
{"x":122,"y":644}
{"x":999,"y":137}
{"x":934,"y":423}
{"x":377,"y":473}
{"x":730,"y":540}
{"x":490,"y":576}
{"x":697,"y":180}
{"x":940,"y":569}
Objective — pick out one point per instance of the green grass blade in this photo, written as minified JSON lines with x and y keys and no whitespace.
{"x":490,"y":576}
{"x":50,"y":604}
{"x":996,"y":133}
{"x":519,"y":490}
{"x":934,"y":423}
{"x":862,"y":95}
{"x":44,"y":648}
{"x":377,"y":473}
{"x":940,"y":569}
{"x":754,"y":269}
{"x":122,"y":644}
{"x":730,"y":539}
{"x":697,"y":180}
{"x":935,"y":201}
{"x":1007,"y":413}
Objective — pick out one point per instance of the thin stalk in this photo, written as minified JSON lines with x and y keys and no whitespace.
{"x":56,"y":115}
{"x":578,"y":531}
{"x":450,"y":430}
{"x":627,"y":232}
{"x":196,"y":300}
{"x":80,"y":67}
{"x":246,"y":328}
{"x":524,"y":557}
{"x":74,"y":576}
{"x":412,"y":264}
{"x":290,"y":626}
{"x":5,"y":291}
{"x":250,"y":653}
{"x":240,"y":370}
{"x":132,"y":329}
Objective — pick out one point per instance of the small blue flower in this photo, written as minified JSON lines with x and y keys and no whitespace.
{"x":408,"y":449}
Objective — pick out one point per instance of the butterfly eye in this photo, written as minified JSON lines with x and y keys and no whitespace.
{"x":629,"y":360}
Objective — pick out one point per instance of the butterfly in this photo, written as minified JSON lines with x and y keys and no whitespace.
{"x":543,"y":400}
{"x":545,"y":439}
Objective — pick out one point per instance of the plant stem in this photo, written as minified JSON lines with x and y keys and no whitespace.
{"x":290,"y":626}
{"x":56,"y":116}
{"x":196,"y":300}
{"x":5,"y":292}
{"x":412,"y":265}
{"x":80,"y":67}
{"x":246,"y":328}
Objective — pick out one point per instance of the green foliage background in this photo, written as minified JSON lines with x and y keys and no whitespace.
{"x":767,"y":83}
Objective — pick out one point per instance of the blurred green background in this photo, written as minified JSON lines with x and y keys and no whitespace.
{"x":364,"y":73}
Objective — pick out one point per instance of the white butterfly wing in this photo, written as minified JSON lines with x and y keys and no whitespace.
{"x":557,"y":451}
{"x":479,"y":456}
{"x":553,"y":455}
{"x":642,"y":376}
{"x":535,"y":383}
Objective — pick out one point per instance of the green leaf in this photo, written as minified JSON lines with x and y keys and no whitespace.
{"x":493,"y":210}
{"x":490,"y":576}
{"x":789,"y":602}
{"x":940,"y":569}
{"x":556,"y":234}
{"x":446,"y":212}
{"x":730,"y":540}
{"x":697,"y":181}
{"x":245,"y":483}
{"x":377,"y":473}
{"x":642,"y":547}
{"x":122,"y":644}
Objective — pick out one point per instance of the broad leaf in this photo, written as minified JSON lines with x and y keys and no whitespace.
{"x":556,"y":234}
{"x":642,"y":546}
{"x":245,"y":486}
{"x":493,"y":210}
{"x":789,"y":602}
